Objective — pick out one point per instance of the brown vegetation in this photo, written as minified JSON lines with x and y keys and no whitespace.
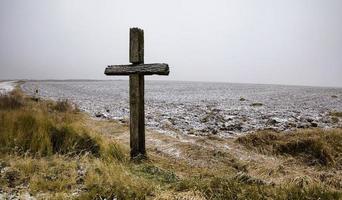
{"x":256,"y":104}
{"x":336,"y":114}
{"x":12,"y":101}
{"x":52,"y":151}
{"x":37,"y":128}
{"x":313,"y":147}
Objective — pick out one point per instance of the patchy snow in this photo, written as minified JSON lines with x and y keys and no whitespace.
{"x":196,"y":108}
{"x":6,"y":86}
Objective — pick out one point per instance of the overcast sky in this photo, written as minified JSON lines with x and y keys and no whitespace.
{"x":296,"y":42}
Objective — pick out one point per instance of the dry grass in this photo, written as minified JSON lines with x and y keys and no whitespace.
{"x":313,"y":147}
{"x":44,"y":128}
{"x":336,"y":114}
{"x":109,"y":180}
{"x":12,"y":101}
{"x":62,"y":175}
{"x":51,"y":151}
{"x":229,"y":188}
{"x":44,"y":144}
{"x":256,"y":104}
{"x":38,"y":128}
{"x":64,"y":105}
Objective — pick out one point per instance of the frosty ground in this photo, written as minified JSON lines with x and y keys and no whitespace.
{"x":301,"y":164}
{"x":204,"y":108}
{"x":6,"y":86}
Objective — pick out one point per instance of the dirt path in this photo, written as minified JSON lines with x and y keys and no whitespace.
{"x":216,"y":155}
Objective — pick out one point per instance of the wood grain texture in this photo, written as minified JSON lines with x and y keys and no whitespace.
{"x":143,"y":69}
{"x":136,"y":72}
{"x":137,"y":115}
{"x":136,"y":45}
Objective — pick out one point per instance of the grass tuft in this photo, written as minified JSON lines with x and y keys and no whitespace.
{"x":63,"y":105}
{"x":229,"y":188}
{"x":312,"y":149}
{"x":66,"y":140}
{"x":113,"y":181}
{"x":315,"y":146}
{"x":336,"y":114}
{"x":37,"y":133}
{"x":12,"y":101}
{"x":256,"y":104}
{"x":32,"y":128}
{"x":158,"y":174}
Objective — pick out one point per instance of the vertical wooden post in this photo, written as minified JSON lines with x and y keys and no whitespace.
{"x":136,"y":95}
{"x":136,"y":46}
{"x":136,"y":72}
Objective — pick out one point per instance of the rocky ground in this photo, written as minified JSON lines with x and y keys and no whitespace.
{"x":204,"y":108}
{"x":178,"y":157}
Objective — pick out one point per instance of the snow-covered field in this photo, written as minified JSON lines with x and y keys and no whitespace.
{"x":204,"y":108}
{"x":6,"y":86}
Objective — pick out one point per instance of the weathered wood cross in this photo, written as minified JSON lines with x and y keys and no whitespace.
{"x":136,"y":72}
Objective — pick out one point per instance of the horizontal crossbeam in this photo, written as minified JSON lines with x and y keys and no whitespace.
{"x":143,"y":69}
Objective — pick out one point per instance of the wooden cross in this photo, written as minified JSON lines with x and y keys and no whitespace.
{"x":136,"y":72}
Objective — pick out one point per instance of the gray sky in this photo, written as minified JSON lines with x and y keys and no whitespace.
{"x":264,"y":41}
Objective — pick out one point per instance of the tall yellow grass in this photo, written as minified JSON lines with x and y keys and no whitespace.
{"x":46,"y":146}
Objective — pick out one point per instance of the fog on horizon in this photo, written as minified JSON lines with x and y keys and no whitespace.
{"x":296,"y":42}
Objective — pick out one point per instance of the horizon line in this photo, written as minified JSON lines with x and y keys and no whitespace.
{"x":277,"y":84}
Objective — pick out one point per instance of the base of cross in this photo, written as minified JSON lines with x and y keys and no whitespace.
{"x":136,"y":72}
{"x":138,"y":158}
